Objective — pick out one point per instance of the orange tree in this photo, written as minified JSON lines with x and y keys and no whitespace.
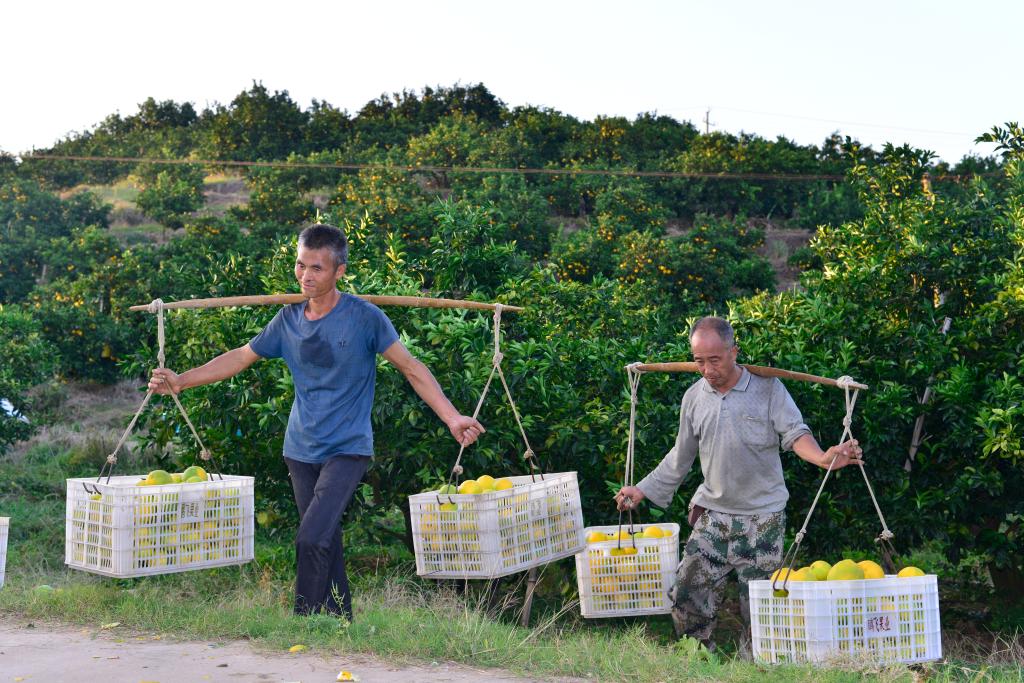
{"x":28,"y":360}
{"x":30,"y":217}
{"x":708,"y":265}
{"x":874,"y":310}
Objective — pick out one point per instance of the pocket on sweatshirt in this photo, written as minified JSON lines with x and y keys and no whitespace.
{"x":757,"y":431}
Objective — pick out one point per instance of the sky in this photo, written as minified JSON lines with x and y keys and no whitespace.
{"x":932,"y":74}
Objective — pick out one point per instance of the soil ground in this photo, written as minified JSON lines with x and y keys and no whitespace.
{"x":33,"y":653}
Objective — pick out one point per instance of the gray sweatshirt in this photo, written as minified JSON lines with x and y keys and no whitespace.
{"x":737,"y":437}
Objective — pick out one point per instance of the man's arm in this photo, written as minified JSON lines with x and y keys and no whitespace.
{"x":848,"y":453}
{"x":465,"y":429}
{"x":661,"y":484}
{"x":228,"y":364}
{"x":796,"y":435}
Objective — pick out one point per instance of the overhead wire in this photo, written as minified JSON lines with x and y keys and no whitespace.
{"x":408,"y":168}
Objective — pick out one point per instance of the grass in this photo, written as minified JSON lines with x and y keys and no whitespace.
{"x":121,"y":194}
{"x":398,"y":616}
{"x":399,"y":619}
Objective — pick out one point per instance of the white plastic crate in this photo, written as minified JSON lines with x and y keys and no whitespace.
{"x":500,"y":532}
{"x":886,"y":620}
{"x":129,"y":530}
{"x":618,"y":585}
{"x":5,"y":523}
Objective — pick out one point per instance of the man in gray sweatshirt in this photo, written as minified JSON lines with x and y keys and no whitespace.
{"x":734,"y":421}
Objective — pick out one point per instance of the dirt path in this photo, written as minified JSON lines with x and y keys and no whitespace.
{"x":37,"y":653}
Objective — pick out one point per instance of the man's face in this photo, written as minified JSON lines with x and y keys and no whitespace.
{"x":715,"y":360}
{"x":316,"y":272}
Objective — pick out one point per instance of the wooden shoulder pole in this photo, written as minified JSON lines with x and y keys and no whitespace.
{"x":759,"y":370}
{"x":283,"y":299}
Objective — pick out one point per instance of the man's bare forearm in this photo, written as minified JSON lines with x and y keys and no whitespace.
{"x":427,"y":388}
{"x":225,"y":365}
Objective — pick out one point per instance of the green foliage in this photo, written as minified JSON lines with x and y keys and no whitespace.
{"x":390,"y":120}
{"x":328,"y":127}
{"x":515,"y":203}
{"x":626,"y":204}
{"x":390,"y":200}
{"x":471,"y":251}
{"x":74,"y":320}
{"x":257,"y":125}
{"x":708,"y":265}
{"x":29,"y":218}
{"x":84,"y":251}
{"x":743,"y":154}
{"x":169,"y":193}
{"x":159,"y":129}
{"x":922,"y":257}
{"x":456,"y":140}
{"x":28,"y":360}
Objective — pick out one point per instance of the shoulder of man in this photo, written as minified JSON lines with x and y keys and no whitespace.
{"x":364,"y":307}
{"x":766,"y":384}
{"x":694,"y":391}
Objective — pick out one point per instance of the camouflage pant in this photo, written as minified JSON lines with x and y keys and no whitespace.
{"x":719,"y":543}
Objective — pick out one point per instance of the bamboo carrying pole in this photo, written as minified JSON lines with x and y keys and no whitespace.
{"x":281,"y":299}
{"x":760,"y":370}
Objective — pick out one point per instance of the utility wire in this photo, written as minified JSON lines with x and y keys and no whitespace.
{"x":466,"y":169}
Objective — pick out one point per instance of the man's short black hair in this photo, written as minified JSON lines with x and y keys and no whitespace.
{"x":719,"y":326}
{"x":321,"y":236}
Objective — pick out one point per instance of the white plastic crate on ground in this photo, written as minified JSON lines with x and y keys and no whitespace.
{"x":128,"y":530}
{"x":5,"y":523}
{"x":497,"y":533}
{"x":885,"y":620}
{"x":618,"y":585}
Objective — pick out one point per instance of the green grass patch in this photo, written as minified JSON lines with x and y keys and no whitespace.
{"x":221,"y":178}
{"x":121,"y":194}
{"x":398,"y":618}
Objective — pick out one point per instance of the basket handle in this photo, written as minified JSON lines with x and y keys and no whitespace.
{"x":157,"y":307}
{"x":529,"y":454}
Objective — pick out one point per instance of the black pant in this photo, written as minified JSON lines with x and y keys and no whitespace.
{"x":322,"y":492}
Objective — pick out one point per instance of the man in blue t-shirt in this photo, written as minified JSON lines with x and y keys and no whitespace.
{"x":330,"y":343}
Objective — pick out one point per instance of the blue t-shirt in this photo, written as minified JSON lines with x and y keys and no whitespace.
{"x":333,"y":362}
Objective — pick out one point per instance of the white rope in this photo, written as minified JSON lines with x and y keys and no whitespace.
{"x":634,"y":372}
{"x":157,"y":307}
{"x":851,"y":400}
{"x":850,"y":392}
{"x":496,"y":360}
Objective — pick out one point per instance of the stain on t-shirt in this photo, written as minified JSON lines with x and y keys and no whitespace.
{"x":316,"y":351}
